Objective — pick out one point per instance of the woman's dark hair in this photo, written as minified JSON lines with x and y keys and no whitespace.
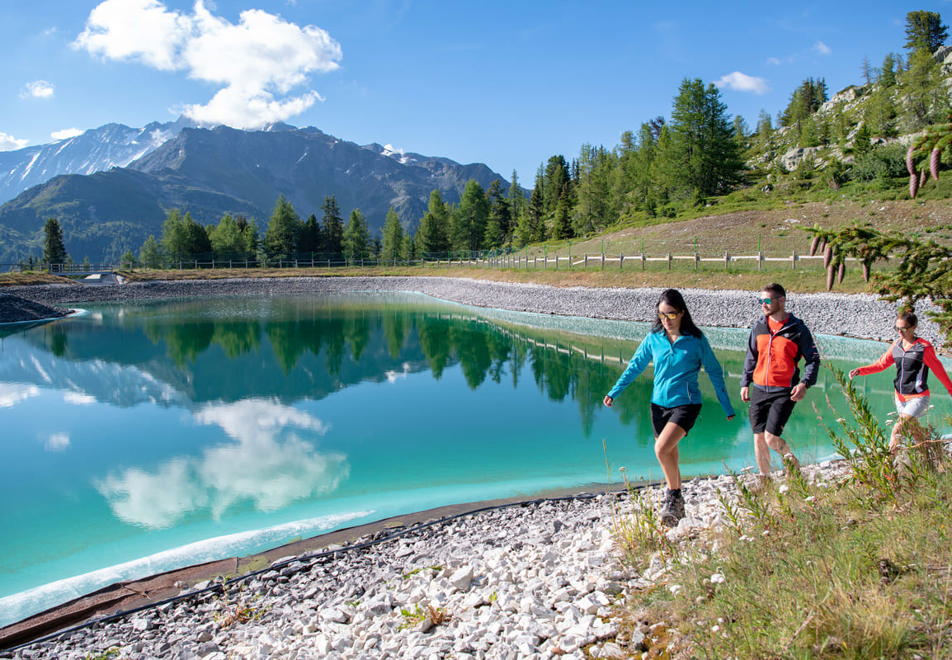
{"x":674,"y":298}
{"x":906,"y":315}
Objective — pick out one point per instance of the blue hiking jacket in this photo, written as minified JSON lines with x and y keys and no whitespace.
{"x":676,"y":368}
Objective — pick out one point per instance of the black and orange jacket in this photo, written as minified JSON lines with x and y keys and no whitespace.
{"x":772,"y":357}
{"x":912,"y":368}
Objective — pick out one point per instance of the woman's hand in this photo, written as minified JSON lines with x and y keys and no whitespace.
{"x":607,"y":401}
{"x":853,"y":373}
{"x":730,"y":417}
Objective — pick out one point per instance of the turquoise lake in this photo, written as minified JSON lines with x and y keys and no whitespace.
{"x":138,"y":438}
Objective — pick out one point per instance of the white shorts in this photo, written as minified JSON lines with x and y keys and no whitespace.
{"x":914,"y":407}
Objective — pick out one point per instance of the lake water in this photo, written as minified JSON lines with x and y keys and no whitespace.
{"x":141,"y":438}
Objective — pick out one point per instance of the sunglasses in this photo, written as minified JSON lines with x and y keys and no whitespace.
{"x":898,"y":329}
{"x":668,"y":315}
{"x":766,"y":301}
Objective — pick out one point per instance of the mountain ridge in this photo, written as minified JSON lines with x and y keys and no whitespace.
{"x":212,"y":171}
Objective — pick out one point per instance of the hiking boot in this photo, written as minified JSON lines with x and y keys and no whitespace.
{"x":673,"y":508}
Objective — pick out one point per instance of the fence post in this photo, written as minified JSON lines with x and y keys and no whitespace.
{"x":760,"y":257}
{"x":793,"y":260}
{"x":586,"y":260}
{"x":727,"y":260}
{"x":697,"y":260}
{"x":643,"y":259}
{"x":669,"y":261}
{"x":621,"y":261}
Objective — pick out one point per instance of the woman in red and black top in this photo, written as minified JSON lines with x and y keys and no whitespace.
{"x":913,"y":357}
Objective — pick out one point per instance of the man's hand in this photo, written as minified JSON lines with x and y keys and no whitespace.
{"x":745,"y":394}
{"x":798,"y":392}
{"x":607,"y":401}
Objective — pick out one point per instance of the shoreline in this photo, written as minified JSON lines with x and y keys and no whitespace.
{"x":715,"y":308}
{"x":862,"y":316}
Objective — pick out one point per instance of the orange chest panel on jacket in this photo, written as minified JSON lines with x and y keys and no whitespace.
{"x":776,"y":361}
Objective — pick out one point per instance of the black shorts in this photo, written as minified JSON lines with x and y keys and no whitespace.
{"x":683,"y":416}
{"x":769,"y":411}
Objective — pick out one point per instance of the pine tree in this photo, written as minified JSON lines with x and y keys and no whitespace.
{"x":925,"y":32}
{"x":535,"y":213}
{"x":356,"y":237}
{"x":198,"y":244}
{"x":391,"y":247}
{"x":517,"y":202}
{"x":887,"y":75}
{"x":498,"y":223}
{"x":310,"y":240}
{"x":561,"y":224}
{"x":332,"y":227}
{"x":54,"y":249}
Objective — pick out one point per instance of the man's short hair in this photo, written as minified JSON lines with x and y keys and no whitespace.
{"x":775,"y":290}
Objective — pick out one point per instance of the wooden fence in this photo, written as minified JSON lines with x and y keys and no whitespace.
{"x":511,"y":260}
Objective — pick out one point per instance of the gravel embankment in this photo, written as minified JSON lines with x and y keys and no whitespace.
{"x":862,"y":316}
{"x":14,"y":309}
{"x":538,"y":580}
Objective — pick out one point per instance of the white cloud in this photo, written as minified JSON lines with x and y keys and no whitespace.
{"x":264,"y":465}
{"x":256,"y":62}
{"x":741,"y":82}
{"x":79,"y":399}
{"x":822,"y":48}
{"x":66,"y":133}
{"x":774,"y":61}
{"x":57,"y":442}
{"x":13,"y":393}
{"x":8,"y":142}
{"x":38,"y":89}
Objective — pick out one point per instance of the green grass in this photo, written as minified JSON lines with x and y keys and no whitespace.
{"x":816,"y":570}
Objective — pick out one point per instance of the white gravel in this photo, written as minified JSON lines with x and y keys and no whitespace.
{"x":863,"y":316}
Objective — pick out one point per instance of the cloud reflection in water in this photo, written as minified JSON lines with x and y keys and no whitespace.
{"x":267,"y":464}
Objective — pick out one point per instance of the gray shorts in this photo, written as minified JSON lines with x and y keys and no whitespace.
{"x":914,"y":407}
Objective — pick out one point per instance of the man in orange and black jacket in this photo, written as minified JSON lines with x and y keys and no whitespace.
{"x":771,"y":381}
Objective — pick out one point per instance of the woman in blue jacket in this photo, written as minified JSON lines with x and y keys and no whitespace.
{"x":678,"y":350}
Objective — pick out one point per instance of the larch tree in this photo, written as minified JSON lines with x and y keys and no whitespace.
{"x":707,"y":158}
{"x":356,"y":237}
{"x":281,"y":237}
{"x":391,"y":247}
{"x":925,"y":31}
{"x":433,"y":234}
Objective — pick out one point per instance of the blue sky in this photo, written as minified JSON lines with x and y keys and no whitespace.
{"x":504,"y":83}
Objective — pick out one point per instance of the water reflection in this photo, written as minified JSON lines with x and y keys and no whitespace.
{"x":267,"y":465}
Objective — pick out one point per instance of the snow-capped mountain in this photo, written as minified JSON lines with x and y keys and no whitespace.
{"x":96,"y":150}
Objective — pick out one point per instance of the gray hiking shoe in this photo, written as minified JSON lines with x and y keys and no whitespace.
{"x":673,"y":508}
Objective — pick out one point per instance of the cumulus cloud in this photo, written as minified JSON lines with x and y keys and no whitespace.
{"x":38,"y":89}
{"x":8,"y":142}
{"x":741,"y":82}
{"x":66,"y":133}
{"x":822,"y":48}
{"x":256,"y":62}
{"x":265,"y":464}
